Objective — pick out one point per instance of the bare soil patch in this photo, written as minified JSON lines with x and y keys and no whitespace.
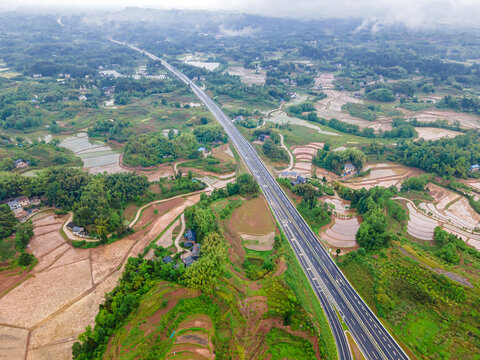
{"x":72,"y":320}
{"x":71,"y":256}
{"x":148,"y":213}
{"x":9,"y":281}
{"x":223,"y":153}
{"x":61,"y":351}
{"x":325,"y":81}
{"x":130,"y":211}
{"x":259,"y":242}
{"x":160,"y":171}
{"x":14,"y":342}
{"x":43,"y":244}
{"x":248,"y":76}
{"x":47,"y":260}
{"x":428,"y":133}
{"x":253,"y":217}
{"x":105,"y":259}
{"x":383,"y":174}
{"x":38,"y":293}
{"x":155,"y":188}
{"x":61,"y":288}
{"x":469,"y":121}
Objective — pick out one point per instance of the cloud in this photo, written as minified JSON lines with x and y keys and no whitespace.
{"x":413,"y":13}
{"x":246,"y":31}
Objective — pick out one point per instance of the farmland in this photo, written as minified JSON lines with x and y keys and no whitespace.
{"x":67,"y":283}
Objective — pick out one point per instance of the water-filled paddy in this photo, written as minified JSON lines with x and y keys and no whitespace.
{"x":97,"y":156}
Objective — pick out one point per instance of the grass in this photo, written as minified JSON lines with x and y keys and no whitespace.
{"x":369,"y":112}
{"x":241,"y":167}
{"x":211,"y":164}
{"x":416,"y":106}
{"x":253,"y":218}
{"x":445,"y":328}
{"x":356,"y":353}
{"x":296,"y":279}
{"x":283,"y":345}
{"x":301,"y":135}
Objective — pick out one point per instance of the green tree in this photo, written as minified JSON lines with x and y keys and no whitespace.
{"x":25,"y":259}
{"x":23,"y":235}
{"x":203,"y":274}
{"x":7,"y":221}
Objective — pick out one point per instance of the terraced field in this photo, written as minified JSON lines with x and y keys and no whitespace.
{"x":342,"y":233}
{"x":97,"y":157}
{"x":419,"y":225}
{"x":304,"y":156}
{"x":383,"y":174}
{"x":66,"y":286}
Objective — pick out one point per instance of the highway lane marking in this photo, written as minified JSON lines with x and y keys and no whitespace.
{"x":247,"y":157}
{"x":344,"y":297}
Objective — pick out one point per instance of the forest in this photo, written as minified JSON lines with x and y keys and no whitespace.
{"x":96,"y":201}
{"x":443,"y":157}
{"x":155,"y":148}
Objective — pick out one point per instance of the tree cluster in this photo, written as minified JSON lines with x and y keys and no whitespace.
{"x":336,"y":160}
{"x":443,"y":157}
{"x":96,"y":201}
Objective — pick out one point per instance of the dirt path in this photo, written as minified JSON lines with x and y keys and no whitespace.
{"x":69,"y":233}
{"x":139,"y":211}
{"x":290,"y":166}
{"x":66,"y":287}
{"x":179,"y":236}
{"x":175,"y":166}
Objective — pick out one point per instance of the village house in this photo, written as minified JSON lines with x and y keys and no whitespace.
{"x":263,"y":137}
{"x":299,"y":180}
{"x":188,"y":261}
{"x":474,"y":168}
{"x":77,"y":230}
{"x":239,"y":118}
{"x":35,"y":200}
{"x":14,"y":205}
{"x":289,"y":174}
{"x":196,"y":251}
{"x":23,"y":201}
{"x":19,"y":163}
{"x":21,"y":215}
{"x":348,"y":170}
{"x":190,"y":238}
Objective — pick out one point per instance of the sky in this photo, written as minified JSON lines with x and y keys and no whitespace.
{"x":413,"y":13}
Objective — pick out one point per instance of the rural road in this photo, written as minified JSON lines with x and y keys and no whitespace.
{"x":290,"y":166}
{"x":179,"y":236}
{"x":335,"y":293}
{"x":139,"y":211}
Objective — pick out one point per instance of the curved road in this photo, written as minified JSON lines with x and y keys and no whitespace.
{"x":334,"y":291}
{"x":290,"y":166}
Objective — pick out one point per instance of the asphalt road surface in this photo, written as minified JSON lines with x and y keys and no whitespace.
{"x":335,"y":293}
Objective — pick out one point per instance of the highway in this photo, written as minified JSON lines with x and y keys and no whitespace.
{"x":335,"y":293}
